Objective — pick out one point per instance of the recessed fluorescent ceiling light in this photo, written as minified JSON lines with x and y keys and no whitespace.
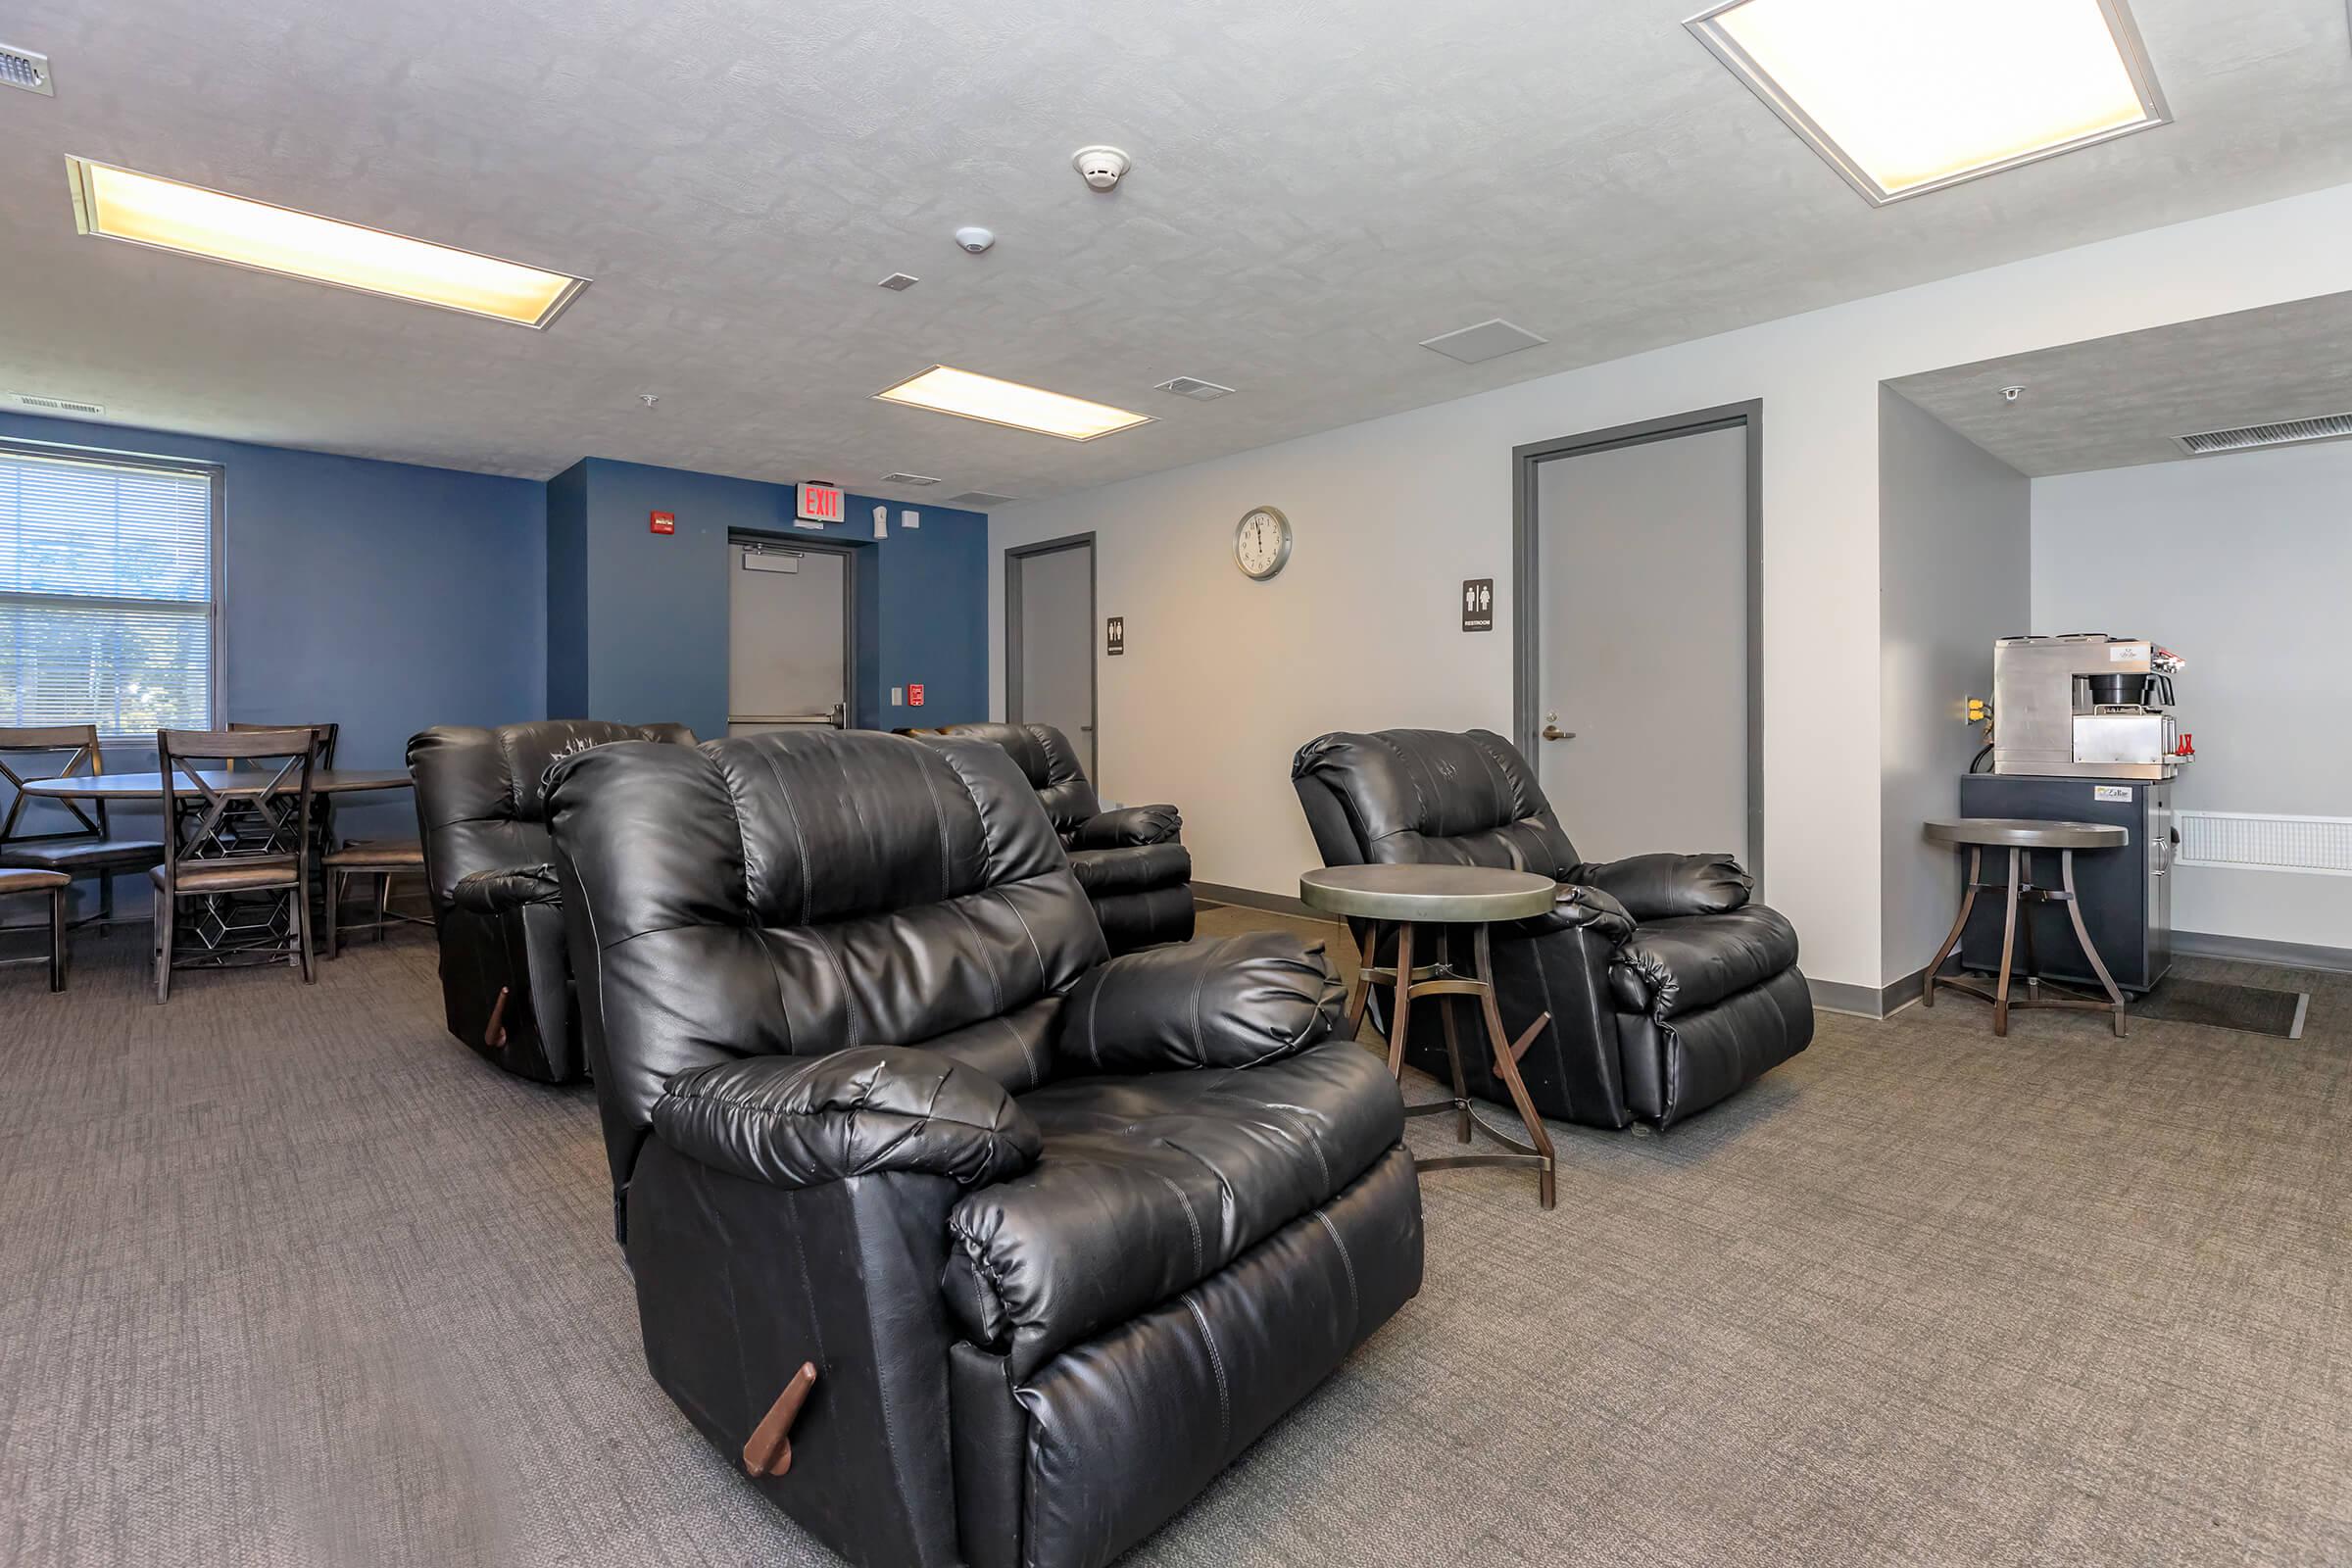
{"x":947,"y":390}
{"x":165,"y":214}
{"x":1908,"y":98}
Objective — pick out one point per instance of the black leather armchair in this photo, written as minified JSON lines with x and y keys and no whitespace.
{"x":1061,"y":1235}
{"x":1135,"y":871}
{"x":1668,"y":989}
{"x":506,"y":981}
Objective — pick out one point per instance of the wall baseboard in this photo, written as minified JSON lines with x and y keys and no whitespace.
{"x":1251,"y":899}
{"x":1866,"y":1001}
{"x":2257,"y":950}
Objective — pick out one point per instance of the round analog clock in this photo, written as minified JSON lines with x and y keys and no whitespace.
{"x":1261,"y":543}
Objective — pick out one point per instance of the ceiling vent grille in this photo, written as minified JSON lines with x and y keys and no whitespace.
{"x":25,"y":400}
{"x":1192,"y":386}
{"x":2284,"y":433}
{"x":977,"y":500}
{"x":21,"y":67}
{"x":908,"y":479}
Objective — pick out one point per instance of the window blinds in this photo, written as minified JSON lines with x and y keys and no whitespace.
{"x":105,"y":580}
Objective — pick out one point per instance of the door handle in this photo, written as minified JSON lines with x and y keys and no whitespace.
{"x":1553,"y":732}
{"x":1086,"y":729}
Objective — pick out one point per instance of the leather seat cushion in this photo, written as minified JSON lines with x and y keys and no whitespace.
{"x":85,"y":854}
{"x":32,"y":881}
{"x":251,"y":872}
{"x":1134,"y":868}
{"x":1669,"y":967}
{"x":1148,"y":1185}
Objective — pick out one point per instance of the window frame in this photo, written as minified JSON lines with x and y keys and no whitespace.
{"x":216,"y":587}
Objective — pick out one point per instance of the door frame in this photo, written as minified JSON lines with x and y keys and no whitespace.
{"x":852,"y":676}
{"x":1526,"y":582}
{"x":1016,"y":557}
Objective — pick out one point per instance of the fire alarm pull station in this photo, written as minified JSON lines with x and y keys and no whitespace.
{"x":914,"y":694}
{"x":665,"y":522}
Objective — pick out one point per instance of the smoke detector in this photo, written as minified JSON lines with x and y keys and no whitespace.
{"x":1101,"y":168}
{"x":972,"y":237}
{"x":2010,"y":394}
{"x":21,"y":67}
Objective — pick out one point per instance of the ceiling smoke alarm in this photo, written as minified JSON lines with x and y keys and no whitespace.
{"x":1101,"y":168}
{"x":972,"y":237}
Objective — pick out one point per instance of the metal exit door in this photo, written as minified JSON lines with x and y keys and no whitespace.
{"x":788,"y":637}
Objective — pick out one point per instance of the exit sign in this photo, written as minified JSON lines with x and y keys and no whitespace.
{"x":821,"y":503}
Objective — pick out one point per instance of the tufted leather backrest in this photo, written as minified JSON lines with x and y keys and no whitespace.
{"x":1047,"y":759}
{"x":481,"y":803}
{"x":1428,"y":796}
{"x":800,"y":892}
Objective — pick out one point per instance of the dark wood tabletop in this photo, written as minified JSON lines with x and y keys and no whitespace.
{"x":239,"y":781}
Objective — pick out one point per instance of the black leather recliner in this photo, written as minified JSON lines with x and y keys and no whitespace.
{"x":506,"y":980}
{"x":1135,"y":871}
{"x":1061,"y":1235}
{"x":1668,"y":990}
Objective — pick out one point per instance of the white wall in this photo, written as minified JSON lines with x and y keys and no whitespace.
{"x":1225,"y":677}
{"x":2242,"y":565}
{"x":1954,"y":576}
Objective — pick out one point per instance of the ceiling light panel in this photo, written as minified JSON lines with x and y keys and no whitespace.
{"x":944,"y":389}
{"x":165,"y":214}
{"x":1908,"y":98}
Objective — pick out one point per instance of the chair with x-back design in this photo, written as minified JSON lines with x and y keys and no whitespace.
{"x":240,"y":842}
{"x":83,"y":844}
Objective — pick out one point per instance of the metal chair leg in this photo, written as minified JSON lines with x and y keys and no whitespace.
{"x":335,"y":884}
{"x":302,"y":929}
{"x":167,"y":907}
{"x":383,"y":901}
{"x":57,"y":939}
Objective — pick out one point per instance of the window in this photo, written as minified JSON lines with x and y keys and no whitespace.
{"x":108,"y":614}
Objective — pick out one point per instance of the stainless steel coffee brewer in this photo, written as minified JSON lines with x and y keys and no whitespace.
{"x":2086,"y":705}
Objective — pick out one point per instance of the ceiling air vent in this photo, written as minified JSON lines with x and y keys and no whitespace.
{"x":1488,"y":340}
{"x":1192,"y":386}
{"x":2285,"y":433}
{"x":977,"y":500}
{"x":21,"y":67}
{"x":908,"y":479}
{"x":25,"y":400}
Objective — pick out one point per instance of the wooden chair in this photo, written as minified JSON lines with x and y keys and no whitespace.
{"x":88,"y":846}
{"x":381,"y":860}
{"x":242,"y":849}
{"x":55,"y":884}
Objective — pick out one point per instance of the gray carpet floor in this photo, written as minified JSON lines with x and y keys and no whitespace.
{"x":288,"y":1277}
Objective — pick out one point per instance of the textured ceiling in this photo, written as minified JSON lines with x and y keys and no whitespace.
{"x":1316,"y":190}
{"x":2116,"y":402}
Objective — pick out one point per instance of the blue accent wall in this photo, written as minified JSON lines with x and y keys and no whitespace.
{"x":381,"y":596}
{"x":653,"y":607}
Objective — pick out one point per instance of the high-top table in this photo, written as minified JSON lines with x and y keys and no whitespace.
{"x":1444,"y":898}
{"x":113,"y":787}
{"x":2021,"y":837}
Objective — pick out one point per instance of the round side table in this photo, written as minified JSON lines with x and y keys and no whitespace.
{"x":1441,"y":902}
{"x":2021,"y":837}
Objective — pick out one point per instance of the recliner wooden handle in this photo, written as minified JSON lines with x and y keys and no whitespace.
{"x":494,"y":1032}
{"x":769,"y":1450}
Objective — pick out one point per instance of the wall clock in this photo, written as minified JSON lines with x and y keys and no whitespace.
{"x":1261,"y":543}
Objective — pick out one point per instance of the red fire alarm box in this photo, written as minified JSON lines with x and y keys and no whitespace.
{"x":914,"y":694}
{"x":665,"y":522}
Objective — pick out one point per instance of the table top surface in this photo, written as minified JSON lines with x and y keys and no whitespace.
{"x":2027,"y":833}
{"x":1432,"y":893}
{"x":241,"y":781}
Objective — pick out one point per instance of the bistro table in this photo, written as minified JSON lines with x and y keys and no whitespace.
{"x":1446,"y":897}
{"x":2021,"y":837}
{"x":112,"y":787}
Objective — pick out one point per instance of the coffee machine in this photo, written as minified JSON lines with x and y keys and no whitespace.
{"x":2085,"y":705}
{"x":2082,"y":731}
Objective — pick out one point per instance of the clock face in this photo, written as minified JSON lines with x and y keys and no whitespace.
{"x":1262,"y":544}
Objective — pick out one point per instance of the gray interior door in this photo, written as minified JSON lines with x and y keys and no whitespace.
{"x":1054,"y":682}
{"x":787,"y":644}
{"x":1642,"y":561}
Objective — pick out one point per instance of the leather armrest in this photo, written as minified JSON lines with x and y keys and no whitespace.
{"x":1128,"y":825}
{"x":510,"y":888}
{"x":1660,"y":887}
{"x":802,"y":1121}
{"x":1581,"y":907}
{"x":1236,"y":1002}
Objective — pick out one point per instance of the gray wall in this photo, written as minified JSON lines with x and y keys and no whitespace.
{"x":1954,"y":572}
{"x":2243,"y":566}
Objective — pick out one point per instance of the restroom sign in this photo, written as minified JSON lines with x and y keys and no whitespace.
{"x":820,"y":502}
{"x":1478,"y":604}
{"x":1114,"y":636}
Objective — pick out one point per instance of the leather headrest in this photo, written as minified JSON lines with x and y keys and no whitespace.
{"x":1433,"y":782}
